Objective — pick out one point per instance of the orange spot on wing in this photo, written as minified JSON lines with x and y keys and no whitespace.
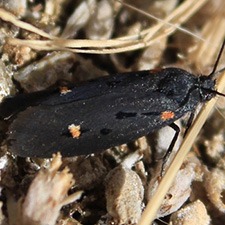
{"x":64,"y":90}
{"x":74,"y":130}
{"x":155,"y":70}
{"x":167,"y":115}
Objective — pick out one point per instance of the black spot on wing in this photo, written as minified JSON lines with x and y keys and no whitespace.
{"x":105,"y":131}
{"x":122,"y":115}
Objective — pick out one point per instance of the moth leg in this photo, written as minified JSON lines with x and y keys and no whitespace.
{"x":170,"y":149}
{"x":84,"y":158}
{"x":189,"y":122}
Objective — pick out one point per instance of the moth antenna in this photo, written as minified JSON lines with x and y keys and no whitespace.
{"x":213,"y":73}
{"x":218,"y":72}
{"x":218,"y":93}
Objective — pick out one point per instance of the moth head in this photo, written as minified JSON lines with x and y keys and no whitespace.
{"x":206,"y":88}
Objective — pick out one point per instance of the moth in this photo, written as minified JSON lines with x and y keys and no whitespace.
{"x":104,"y":112}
